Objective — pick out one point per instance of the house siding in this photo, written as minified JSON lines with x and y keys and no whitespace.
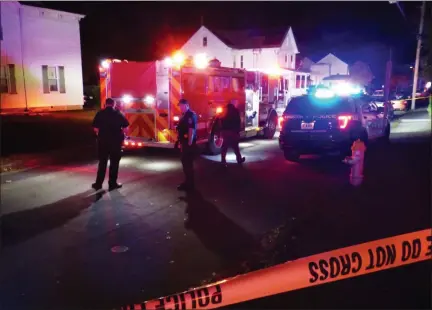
{"x":11,"y":53}
{"x":215,"y":47}
{"x":329,"y":65}
{"x":46,"y":38}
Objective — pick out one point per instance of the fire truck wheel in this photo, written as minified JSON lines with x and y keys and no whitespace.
{"x":270,"y":130}
{"x":215,"y":142}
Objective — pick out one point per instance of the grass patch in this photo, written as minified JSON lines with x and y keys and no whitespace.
{"x":45,"y":132}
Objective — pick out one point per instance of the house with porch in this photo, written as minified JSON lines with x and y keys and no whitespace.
{"x":263,"y":50}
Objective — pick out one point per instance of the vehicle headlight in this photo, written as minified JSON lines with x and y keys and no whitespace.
{"x":149,"y":99}
{"x":127,"y":99}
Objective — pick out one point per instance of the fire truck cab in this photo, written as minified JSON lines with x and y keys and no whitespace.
{"x":148,"y":94}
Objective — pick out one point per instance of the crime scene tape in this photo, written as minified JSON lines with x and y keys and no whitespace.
{"x":314,"y":270}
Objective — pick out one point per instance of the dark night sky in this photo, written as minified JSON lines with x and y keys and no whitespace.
{"x":352,"y":30}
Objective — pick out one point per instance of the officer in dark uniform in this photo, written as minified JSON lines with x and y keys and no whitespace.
{"x":109,"y":125}
{"x":187,"y":141}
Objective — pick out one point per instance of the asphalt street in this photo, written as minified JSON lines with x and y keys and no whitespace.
{"x":65,"y":247}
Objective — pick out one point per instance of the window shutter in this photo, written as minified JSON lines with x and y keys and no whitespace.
{"x":13,"y":88}
{"x":62,"y":80}
{"x":45,"y":80}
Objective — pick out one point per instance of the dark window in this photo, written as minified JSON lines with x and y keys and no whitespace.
{"x":4,"y":79}
{"x":214,"y":85}
{"x":310,"y":105}
{"x":205,"y":41}
{"x":194,"y":83}
{"x":298,"y":81}
{"x":12,"y":79}
{"x":237,"y":84}
{"x":225,"y":82}
{"x":241,"y":61}
{"x":286,"y":58}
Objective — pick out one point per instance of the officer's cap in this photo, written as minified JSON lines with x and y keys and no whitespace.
{"x":109,"y":101}
{"x":183,"y":101}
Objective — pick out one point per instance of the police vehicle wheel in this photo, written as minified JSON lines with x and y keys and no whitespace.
{"x":362,"y":135}
{"x":386,"y":136}
{"x":291,"y":155}
{"x":270,"y":130}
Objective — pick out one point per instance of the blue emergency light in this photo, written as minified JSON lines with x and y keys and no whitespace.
{"x":340,"y":90}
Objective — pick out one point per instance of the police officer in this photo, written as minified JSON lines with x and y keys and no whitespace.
{"x":187,"y":141}
{"x":230,"y":131}
{"x":109,"y":125}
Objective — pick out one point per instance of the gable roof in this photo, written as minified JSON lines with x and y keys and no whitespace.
{"x":254,"y":38}
{"x":336,"y":77}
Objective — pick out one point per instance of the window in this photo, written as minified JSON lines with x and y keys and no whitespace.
{"x":237,"y":85}
{"x":286,"y":58}
{"x":298,"y":81}
{"x":53,"y":79}
{"x":305,"y":105}
{"x":241,"y":61}
{"x":194,"y":83}
{"x":303,"y":81}
{"x":215,"y":86}
{"x":7,"y":79}
{"x":234,"y":62}
{"x":225,"y":82}
{"x":205,"y":41}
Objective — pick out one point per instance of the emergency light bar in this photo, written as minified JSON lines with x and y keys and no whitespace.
{"x":346,"y":89}
{"x":324,"y":93}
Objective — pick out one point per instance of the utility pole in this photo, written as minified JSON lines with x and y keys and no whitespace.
{"x":417,"y":61}
{"x":388,"y":77}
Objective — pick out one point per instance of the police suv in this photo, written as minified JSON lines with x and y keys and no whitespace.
{"x":323,"y":122}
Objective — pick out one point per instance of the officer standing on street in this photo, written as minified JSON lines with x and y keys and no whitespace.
{"x":230,"y":131}
{"x":187,"y":141}
{"x":109,"y":125}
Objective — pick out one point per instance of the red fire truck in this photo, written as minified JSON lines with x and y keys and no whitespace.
{"x":148,"y":94}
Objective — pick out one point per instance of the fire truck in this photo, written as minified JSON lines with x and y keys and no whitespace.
{"x":148,"y":94}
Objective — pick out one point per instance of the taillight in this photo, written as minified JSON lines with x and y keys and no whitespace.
{"x":126,"y":143}
{"x":176,"y":118}
{"x":219,"y":110}
{"x":139,"y":144}
{"x":280,"y":121}
{"x":344,"y":120}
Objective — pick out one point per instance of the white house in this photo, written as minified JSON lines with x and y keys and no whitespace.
{"x":328,"y":66}
{"x":270,"y":49}
{"x":40,"y":59}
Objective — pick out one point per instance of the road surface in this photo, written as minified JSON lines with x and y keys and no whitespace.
{"x":65,"y":247}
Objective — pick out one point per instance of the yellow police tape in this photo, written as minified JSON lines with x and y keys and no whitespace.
{"x":314,"y":270}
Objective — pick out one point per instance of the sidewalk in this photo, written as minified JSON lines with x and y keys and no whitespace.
{"x":419,"y":114}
